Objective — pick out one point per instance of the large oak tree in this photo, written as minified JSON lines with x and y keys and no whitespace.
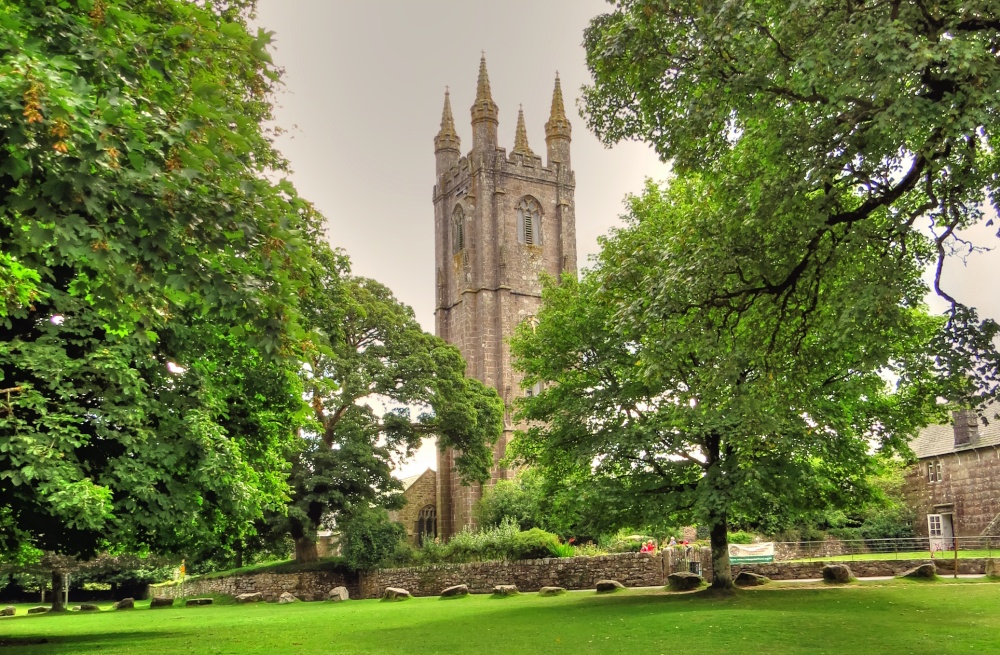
{"x":378,"y":386}
{"x":727,"y":355}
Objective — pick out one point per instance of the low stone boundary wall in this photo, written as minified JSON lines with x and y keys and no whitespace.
{"x":304,"y":586}
{"x":631,"y":569}
{"x":860,"y":568}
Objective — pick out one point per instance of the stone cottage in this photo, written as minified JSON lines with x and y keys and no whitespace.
{"x":955,"y":485}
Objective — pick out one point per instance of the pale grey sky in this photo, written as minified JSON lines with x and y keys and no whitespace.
{"x":364,"y":86}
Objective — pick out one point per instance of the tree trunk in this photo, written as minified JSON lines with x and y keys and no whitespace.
{"x":57,"y":592}
{"x":239,"y":556}
{"x":305,"y":549}
{"x":722,"y":572}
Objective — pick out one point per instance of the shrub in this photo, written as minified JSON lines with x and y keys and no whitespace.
{"x":564,"y":550}
{"x":534,"y":544}
{"x":502,"y":542}
{"x":623,"y":542}
{"x":507,"y":500}
{"x":740,"y":537}
{"x":371,"y":540}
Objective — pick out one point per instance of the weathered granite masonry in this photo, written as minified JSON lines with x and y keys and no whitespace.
{"x":957,"y":476}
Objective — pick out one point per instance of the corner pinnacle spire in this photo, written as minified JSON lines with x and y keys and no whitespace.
{"x":484,"y":108}
{"x":447,"y":138}
{"x":558,"y":125}
{"x":521,"y":136}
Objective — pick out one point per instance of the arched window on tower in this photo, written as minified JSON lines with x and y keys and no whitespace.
{"x":427,"y":524}
{"x":529,"y":222}
{"x":458,"y":230}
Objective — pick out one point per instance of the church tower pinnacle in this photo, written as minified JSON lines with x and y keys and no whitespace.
{"x":521,"y":146}
{"x":485,"y":113}
{"x":447,"y":145}
{"x":558,"y":129}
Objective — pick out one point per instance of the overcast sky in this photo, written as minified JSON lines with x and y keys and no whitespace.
{"x":364,"y":86}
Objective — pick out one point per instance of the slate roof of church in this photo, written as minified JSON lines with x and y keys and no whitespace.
{"x":937,"y":440}
{"x":408,"y":481}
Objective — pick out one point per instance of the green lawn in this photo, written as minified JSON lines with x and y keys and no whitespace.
{"x":914,"y":618}
{"x":917,"y":554}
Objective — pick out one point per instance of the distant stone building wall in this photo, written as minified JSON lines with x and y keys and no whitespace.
{"x":419,"y":514}
{"x":956,"y":478}
{"x":970,"y":488}
{"x":631,"y":569}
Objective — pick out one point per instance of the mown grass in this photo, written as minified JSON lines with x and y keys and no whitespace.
{"x":917,"y":554}
{"x":925,"y":619}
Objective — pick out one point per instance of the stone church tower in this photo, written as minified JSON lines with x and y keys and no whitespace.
{"x":500,"y":221}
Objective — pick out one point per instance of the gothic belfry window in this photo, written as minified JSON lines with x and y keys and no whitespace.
{"x":529,"y":222}
{"x":458,"y":230}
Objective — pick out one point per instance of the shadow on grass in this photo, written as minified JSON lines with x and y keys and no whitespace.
{"x":55,"y":641}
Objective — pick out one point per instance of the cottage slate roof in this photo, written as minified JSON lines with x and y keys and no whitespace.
{"x":937,"y":440}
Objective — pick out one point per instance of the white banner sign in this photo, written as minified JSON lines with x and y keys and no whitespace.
{"x":751,"y":553}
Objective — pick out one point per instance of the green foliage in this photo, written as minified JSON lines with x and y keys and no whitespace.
{"x":503,"y":542}
{"x":281,"y":566}
{"x":487,"y":544}
{"x":740,"y":537}
{"x":535,"y":544}
{"x":563,"y":550}
{"x":141,"y":230}
{"x":625,"y":540}
{"x":370,"y":540}
{"x":829,"y":132}
{"x":513,"y":500}
{"x":378,"y":386}
{"x":727,"y":357}
{"x":692,"y":417}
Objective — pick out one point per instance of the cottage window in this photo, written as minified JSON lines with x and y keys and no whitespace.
{"x":529,"y":222}
{"x":934,"y":473}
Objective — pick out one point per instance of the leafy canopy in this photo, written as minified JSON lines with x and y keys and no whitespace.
{"x":378,"y":386}
{"x":140,"y":230}
{"x":823,"y":126}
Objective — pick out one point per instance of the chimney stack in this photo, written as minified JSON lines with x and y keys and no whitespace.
{"x":966,"y":426}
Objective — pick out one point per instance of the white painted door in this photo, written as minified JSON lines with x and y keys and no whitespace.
{"x":935,"y":530}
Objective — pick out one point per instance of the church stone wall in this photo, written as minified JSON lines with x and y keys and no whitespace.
{"x":421,"y":493}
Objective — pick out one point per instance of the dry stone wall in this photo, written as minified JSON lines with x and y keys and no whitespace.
{"x":304,"y":586}
{"x":860,"y":568}
{"x":631,"y":569}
